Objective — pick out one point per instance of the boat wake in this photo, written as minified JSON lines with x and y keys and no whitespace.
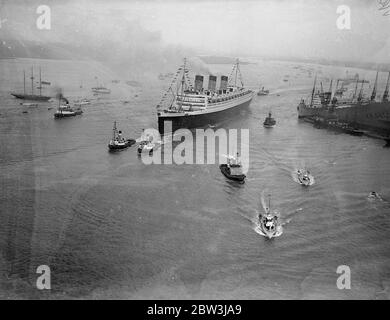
{"x":294,"y":175}
{"x":279,"y":231}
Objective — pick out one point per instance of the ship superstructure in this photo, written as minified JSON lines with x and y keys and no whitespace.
{"x":366,"y":111}
{"x":187,"y":105}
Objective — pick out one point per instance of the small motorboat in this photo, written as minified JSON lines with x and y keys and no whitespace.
{"x":146,"y":144}
{"x":373,"y":195}
{"x":263,"y":92}
{"x":269,"y":122}
{"x":233,"y":169}
{"x":146,"y":147}
{"x":118,"y":142}
{"x":269,"y":223}
{"x":304,"y":177}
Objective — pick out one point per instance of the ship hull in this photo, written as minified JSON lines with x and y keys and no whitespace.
{"x":199,"y":120}
{"x":30,"y":97}
{"x":373,"y":116}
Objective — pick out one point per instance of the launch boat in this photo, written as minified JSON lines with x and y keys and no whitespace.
{"x":269,"y":223}
{"x":304,"y":177}
{"x":192,"y":106}
{"x":367,"y":113}
{"x":32,"y":96}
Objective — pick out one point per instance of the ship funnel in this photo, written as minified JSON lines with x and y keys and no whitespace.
{"x":224,"y":82}
{"x":198,"y":83}
{"x":212,"y":83}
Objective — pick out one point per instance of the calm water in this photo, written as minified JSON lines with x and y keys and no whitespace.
{"x":111,"y":227}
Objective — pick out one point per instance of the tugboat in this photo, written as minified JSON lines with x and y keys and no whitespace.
{"x":118,"y":142}
{"x":263,"y":92}
{"x":233,"y":169}
{"x":269,"y":223}
{"x":65,"y":110}
{"x":304,"y":177}
{"x":269,"y":122}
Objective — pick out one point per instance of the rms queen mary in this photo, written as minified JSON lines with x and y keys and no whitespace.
{"x":192,"y":106}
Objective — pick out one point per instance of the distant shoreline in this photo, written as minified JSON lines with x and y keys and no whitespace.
{"x":384,"y":67}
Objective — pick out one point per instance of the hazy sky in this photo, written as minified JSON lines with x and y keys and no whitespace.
{"x":297,"y":28}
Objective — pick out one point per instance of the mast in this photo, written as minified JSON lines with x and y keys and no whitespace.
{"x":360,"y":97}
{"x":354,"y":94}
{"x":330,"y":91}
{"x":386,"y":93}
{"x":32,"y":80}
{"x":182,"y":83}
{"x":314,"y":88}
{"x":373,"y":95}
{"x":24,"y":82}
{"x":235,"y":79}
{"x":330,"y":85}
{"x":40,"y":82}
{"x":114,"y":132}
{"x":269,"y":203}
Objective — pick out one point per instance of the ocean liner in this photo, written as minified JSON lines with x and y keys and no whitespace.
{"x":185,"y":105}
{"x":368,"y":113}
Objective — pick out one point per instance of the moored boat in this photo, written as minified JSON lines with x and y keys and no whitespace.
{"x":363,"y":113}
{"x":32,"y":96}
{"x":101,"y":89}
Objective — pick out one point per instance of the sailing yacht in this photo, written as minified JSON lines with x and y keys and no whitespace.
{"x":32,"y":96}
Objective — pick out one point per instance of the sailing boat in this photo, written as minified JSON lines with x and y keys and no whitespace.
{"x":32,"y":96}
{"x":100,"y":89}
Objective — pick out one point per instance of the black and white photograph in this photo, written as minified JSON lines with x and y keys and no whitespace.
{"x":214,"y":150}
